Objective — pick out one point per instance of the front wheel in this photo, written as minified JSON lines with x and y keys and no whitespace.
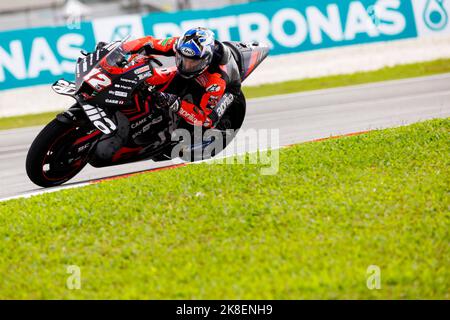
{"x":56,"y":156}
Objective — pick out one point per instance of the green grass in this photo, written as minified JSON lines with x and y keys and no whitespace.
{"x":389,"y":73}
{"x":227,"y":232}
{"x":26,"y":121}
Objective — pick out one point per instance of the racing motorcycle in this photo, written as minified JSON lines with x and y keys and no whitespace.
{"x":111,"y":100}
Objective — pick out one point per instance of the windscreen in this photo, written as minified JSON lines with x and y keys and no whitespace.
{"x":119,"y":59}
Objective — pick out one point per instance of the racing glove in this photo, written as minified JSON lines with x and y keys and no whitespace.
{"x":167,"y":101}
{"x":219,"y":110}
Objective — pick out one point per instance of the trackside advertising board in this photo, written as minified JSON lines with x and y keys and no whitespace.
{"x":43,"y":55}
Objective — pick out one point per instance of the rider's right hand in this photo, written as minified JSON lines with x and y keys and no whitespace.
{"x":166,"y":101}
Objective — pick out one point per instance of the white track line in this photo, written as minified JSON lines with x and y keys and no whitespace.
{"x":48,"y":190}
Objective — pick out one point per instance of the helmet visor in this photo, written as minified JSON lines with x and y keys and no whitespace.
{"x":189,"y":66}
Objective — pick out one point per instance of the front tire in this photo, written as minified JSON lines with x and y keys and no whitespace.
{"x":52,"y":158}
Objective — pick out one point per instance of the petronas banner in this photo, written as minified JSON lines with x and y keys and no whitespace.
{"x":42,"y":55}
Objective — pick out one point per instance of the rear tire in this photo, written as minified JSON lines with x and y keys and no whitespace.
{"x":48,"y":159}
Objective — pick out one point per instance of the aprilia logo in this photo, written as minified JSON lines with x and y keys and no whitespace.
{"x":226,"y":101}
{"x":188,"y":116}
{"x":99,"y":119}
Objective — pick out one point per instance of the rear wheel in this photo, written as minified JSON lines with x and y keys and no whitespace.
{"x":56,"y":156}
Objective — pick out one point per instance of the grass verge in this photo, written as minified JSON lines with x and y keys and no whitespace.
{"x":227,"y":232}
{"x":389,"y":73}
{"x":26,"y":121}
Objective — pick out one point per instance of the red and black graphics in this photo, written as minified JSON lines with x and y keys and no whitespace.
{"x":253,"y":58}
{"x":141,"y":102}
{"x":116,"y":78}
{"x":248,"y":56}
{"x":84,"y":65}
{"x":110,"y":75}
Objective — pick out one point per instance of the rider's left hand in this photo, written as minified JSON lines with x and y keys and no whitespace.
{"x":208,"y":123}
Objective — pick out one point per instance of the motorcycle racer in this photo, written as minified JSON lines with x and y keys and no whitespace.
{"x":116,"y":120}
{"x":207,"y":79}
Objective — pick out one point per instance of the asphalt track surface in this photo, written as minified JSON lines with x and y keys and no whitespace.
{"x":299,"y":117}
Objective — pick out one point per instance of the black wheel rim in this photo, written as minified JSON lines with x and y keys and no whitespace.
{"x":61,"y":160}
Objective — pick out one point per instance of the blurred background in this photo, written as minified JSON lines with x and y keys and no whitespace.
{"x":41,"y":40}
{"x":31,"y":13}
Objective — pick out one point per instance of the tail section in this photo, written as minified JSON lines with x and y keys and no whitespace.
{"x":248,"y":56}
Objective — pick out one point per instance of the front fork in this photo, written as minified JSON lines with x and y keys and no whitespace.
{"x":76,"y":117}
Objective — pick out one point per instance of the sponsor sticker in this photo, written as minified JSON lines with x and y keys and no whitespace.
{"x":138,"y":123}
{"x":144,"y":75}
{"x":187,"y":51}
{"x":146,"y":127}
{"x":142,"y":69}
{"x":119,"y":86}
{"x":187,"y":115}
{"x":227,"y":101}
{"x":121,"y":94}
{"x":213,"y":88}
{"x":128,"y":80}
